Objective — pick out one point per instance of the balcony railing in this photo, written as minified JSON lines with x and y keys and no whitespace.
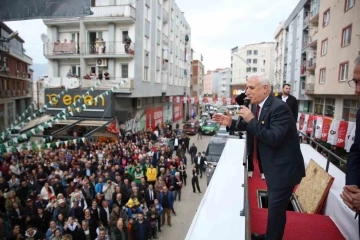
{"x":311,"y":64}
{"x":5,"y":71}
{"x":309,"y":88}
{"x":58,"y":82}
{"x":165,"y":16}
{"x":306,"y":21}
{"x":88,"y":48}
{"x":314,"y":10}
{"x":113,"y":11}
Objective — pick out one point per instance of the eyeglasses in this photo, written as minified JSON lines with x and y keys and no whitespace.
{"x":353,"y":83}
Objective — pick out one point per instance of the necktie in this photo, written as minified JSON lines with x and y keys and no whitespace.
{"x":255,"y":153}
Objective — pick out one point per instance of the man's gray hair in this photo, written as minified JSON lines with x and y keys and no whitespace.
{"x":262,"y":77}
{"x":357,"y":60}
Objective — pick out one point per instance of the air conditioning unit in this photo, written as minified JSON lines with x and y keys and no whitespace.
{"x":137,"y":103}
{"x":101,"y":62}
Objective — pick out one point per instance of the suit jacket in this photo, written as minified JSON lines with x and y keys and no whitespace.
{"x":353,"y":161}
{"x":292,"y":102}
{"x":147,"y":197}
{"x":202,"y":161}
{"x":278,"y":143}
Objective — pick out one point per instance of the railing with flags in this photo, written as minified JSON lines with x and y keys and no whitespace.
{"x":337,"y":133}
{"x":198,"y":100}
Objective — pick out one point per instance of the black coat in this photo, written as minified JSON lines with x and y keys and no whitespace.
{"x":278,"y":143}
{"x":293,"y":104}
{"x":146,"y":232}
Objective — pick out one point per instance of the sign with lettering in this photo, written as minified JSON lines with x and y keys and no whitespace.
{"x":178,"y":112}
{"x":103,"y":108}
{"x":154,"y":116}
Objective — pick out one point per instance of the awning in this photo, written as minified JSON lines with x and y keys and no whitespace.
{"x":35,"y":122}
{"x":87,"y":123}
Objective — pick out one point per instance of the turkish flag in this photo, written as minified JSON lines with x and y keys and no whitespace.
{"x":342,"y":134}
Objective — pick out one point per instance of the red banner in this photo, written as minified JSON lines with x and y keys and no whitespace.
{"x":154,"y":116}
{"x":178,"y":112}
{"x":342,"y":134}
{"x":196,"y":100}
{"x":301,"y":121}
{"x":205,"y":100}
{"x":310,"y":126}
{"x":325,"y":129}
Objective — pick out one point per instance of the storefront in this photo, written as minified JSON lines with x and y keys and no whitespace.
{"x":105,"y":108}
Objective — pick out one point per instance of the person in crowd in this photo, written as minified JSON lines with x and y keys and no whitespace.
{"x":195,"y":179}
{"x":199,"y":163}
{"x":290,"y":100}
{"x":209,"y":172}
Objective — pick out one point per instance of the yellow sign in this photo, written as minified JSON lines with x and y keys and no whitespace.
{"x":67,"y":100}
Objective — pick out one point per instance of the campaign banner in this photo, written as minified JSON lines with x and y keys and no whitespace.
{"x":333,"y":132}
{"x":178,"y":110}
{"x":343,"y":126}
{"x":301,"y":122}
{"x":325,"y":129}
{"x":310,"y":125}
{"x":350,"y":136}
{"x":177,"y":99}
{"x":154,"y":116}
{"x":318,"y":127}
{"x":305,"y":123}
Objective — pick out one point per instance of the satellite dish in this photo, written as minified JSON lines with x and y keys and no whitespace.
{"x":44,"y":38}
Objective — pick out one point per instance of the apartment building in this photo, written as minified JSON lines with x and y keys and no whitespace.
{"x":145,"y":45}
{"x":198,"y":69}
{"x":208,"y":84}
{"x":338,"y":44}
{"x":15,"y":77}
{"x":224,"y":83}
{"x":257,"y":57}
{"x":279,"y":73}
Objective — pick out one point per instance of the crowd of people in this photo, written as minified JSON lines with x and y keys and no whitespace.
{"x":122,"y":189}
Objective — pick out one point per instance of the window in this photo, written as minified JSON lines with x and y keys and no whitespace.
{"x":125,"y":34}
{"x":254,"y":70}
{"x":322,"y":75}
{"x":263,"y":70}
{"x":349,"y":4}
{"x":264,"y":62}
{"x":248,"y":60}
{"x":350,"y":109}
{"x":326,"y":18}
{"x":147,"y":44}
{"x":146,"y":71}
{"x":147,"y":13}
{"x":248,"y":69}
{"x":124,"y":70}
{"x":249,"y":52}
{"x":263,"y":53}
{"x":324,"y":46}
{"x":346,"y":36}
{"x":319,"y":106}
{"x":344,"y":71}
{"x":255,"y":61}
{"x":255,"y":52}
{"x":329,"y":107}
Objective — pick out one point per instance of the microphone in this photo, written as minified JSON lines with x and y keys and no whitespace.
{"x":242,"y":100}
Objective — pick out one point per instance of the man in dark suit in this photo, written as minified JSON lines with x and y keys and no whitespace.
{"x":272,"y":130}
{"x":351,"y":193}
{"x":290,"y":100}
{"x":199,"y":163}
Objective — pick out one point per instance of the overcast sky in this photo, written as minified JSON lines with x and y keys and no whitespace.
{"x":216,"y":27}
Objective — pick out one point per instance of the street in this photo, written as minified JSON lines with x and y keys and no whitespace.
{"x":190,"y":201}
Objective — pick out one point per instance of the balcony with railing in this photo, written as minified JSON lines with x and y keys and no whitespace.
{"x":117,"y":13}
{"x":306,"y":21}
{"x":89,"y":49}
{"x":311,"y":66}
{"x":305,"y":42}
{"x":314,"y":12}
{"x":4,"y":71}
{"x":126,"y":84}
{"x":310,"y":88}
{"x":165,"y":16}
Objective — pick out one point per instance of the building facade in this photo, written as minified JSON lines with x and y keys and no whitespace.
{"x":15,"y":78}
{"x":319,"y":70}
{"x":145,"y":45}
{"x":257,"y":57}
{"x":224,"y":83}
{"x":279,"y":74}
{"x":207,"y":84}
{"x":198,"y":70}
{"x":338,"y":44}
